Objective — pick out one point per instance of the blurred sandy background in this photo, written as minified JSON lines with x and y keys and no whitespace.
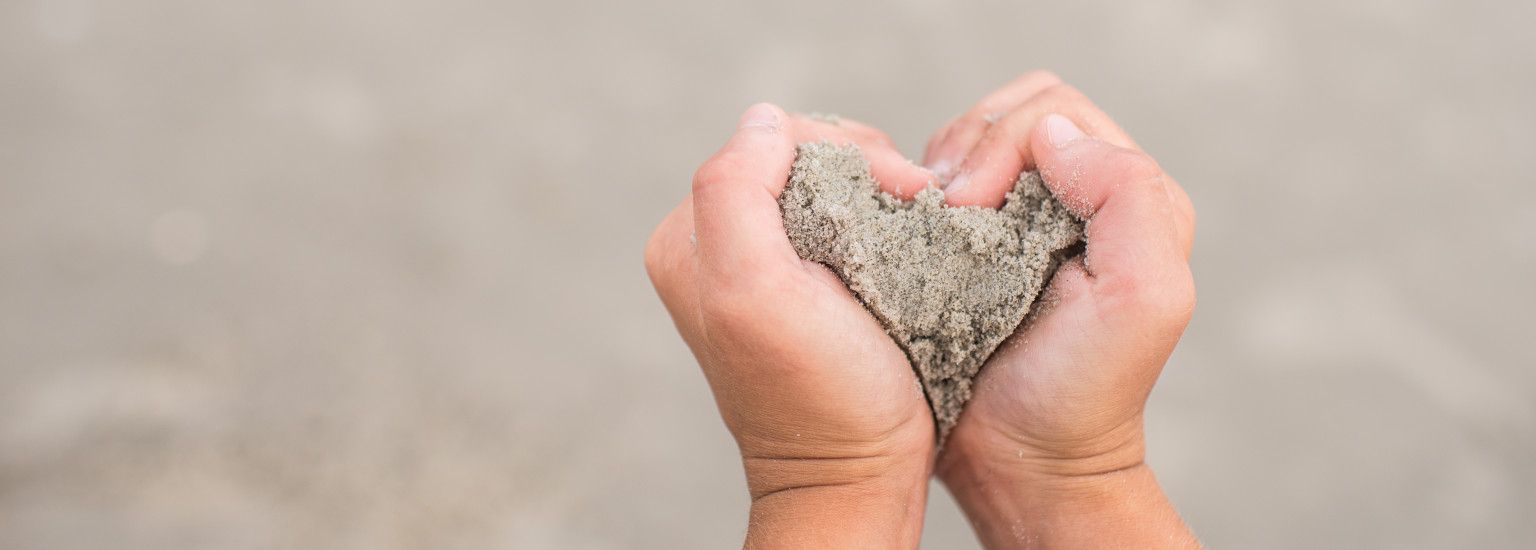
{"x":366,"y":274}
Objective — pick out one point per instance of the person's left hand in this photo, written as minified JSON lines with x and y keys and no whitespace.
{"x":835,"y":435}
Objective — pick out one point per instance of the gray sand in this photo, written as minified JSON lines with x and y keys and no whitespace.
{"x":949,"y":284}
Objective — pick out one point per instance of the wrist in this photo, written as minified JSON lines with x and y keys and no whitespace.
{"x":981,"y":448}
{"x":767,"y":476}
{"x":1014,"y":493}
{"x":836,"y":503}
{"x":1002,"y":490}
{"x":1123,"y":508}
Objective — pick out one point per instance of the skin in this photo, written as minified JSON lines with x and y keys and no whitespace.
{"x":836,"y":439}
{"x":1051,"y":450}
{"x":835,"y":436}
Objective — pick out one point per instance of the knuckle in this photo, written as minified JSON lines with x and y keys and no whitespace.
{"x":1060,"y":93}
{"x":972,"y":125}
{"x":808,"y":129}
{"x":881,"y":138}
{"x":1017,"y":124}
{"x":865,"y":132}
{"x":1051,"y":97}
{"x":1169,"y":299}
{"x":663,"y":251}
{"x":1190,"y":215}
{"x":1040,"y":77}
{"x":716,"y":171}
{"x":1179,"y":297}
{"x":1181,"y":197}
{"x":1017,"y":92}
{"x":655,"y":264}
{"x":1059,"y":98}
{"x":1137,"y":167}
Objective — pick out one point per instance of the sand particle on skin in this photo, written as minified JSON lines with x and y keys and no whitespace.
{"x":948,"y":283}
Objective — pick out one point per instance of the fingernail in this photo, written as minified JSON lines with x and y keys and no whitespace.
{"x":956,"y":183}
{"x":944,"y":171}
{"x":1061,"y":131}
{"x":761,"y":115}
{"x":941,"y":168}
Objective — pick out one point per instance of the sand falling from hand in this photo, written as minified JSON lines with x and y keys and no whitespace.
{"x":948,"y":283}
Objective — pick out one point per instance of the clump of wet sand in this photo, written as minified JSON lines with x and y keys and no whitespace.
{"x":948,"y":283}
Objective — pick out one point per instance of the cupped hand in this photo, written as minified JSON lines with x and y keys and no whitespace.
{"x":829,"y":417}
{"x":1060,"y":404}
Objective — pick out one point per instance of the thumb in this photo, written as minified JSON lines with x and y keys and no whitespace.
{"x":737,"y":223}
{"x":1122,"y":193}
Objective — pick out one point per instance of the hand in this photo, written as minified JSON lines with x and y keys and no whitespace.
{"x":835,"y":435}
{"x":1051,"y":446}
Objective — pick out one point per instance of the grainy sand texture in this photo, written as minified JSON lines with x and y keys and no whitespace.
{"x":949,"y":284}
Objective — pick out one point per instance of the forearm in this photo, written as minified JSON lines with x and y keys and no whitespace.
{"x":876,"y":512}
{"x":1124,"y":508}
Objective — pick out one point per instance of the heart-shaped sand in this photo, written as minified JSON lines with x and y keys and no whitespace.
{"x":949,"y":284}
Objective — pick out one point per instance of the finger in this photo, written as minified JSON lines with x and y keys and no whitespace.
{"x":894,"y":172}
{"x":739,"y":229}
{"x":858,"y":130}
{"x":992,"y":167}
{"x":950,"y":145}
{"x":1133,"y":241}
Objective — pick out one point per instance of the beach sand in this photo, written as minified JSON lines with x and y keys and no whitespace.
{"x":949,"y":283}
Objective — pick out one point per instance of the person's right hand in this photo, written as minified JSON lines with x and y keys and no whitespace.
{"x":835,"y":435}
{"x":1051,"y":448}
